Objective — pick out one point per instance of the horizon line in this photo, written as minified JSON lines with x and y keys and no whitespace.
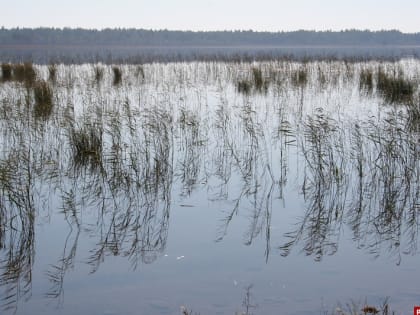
{"x":205,"y":31}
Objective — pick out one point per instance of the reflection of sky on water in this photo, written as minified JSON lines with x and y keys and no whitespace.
{"x":191,"y":203}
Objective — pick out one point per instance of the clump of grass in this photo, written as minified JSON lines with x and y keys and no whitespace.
{"x":99,"y":73}
{"x":52,"y":72}
{"x":257,"y":82}
{"x":258,"y":79}
{"x":260,"y":83}
{"x":43,"y":99}
{"x":366,"y":80}
{"x":24,"y":72}
{"x":117,"y":75}
{"x":244,"y":86}
{"x":86,"y":145}
{"x":300,"y":77}
{"x":395,"y":88}
{"x":6,"y":71}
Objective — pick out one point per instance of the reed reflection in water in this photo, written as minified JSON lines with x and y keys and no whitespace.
{"x":107,"y":158}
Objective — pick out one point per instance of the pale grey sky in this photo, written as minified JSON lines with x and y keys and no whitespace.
{"x":259,"y":15}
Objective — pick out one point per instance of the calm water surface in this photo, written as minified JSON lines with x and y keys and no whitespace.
{"x":195,"y":184}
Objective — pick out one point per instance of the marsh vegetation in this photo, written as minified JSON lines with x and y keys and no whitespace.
{"x":241,"y":165}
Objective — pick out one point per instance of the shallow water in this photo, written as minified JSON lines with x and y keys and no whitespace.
{"x":173,"y":188}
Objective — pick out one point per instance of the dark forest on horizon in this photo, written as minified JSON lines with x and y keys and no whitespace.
{"x":76,"y":45}
{"x":79,"y":36}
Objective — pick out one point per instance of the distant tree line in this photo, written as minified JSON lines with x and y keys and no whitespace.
{"x":54,"y":45}
{"x":142,"y":37}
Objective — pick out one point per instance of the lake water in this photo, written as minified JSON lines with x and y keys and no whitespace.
{"x":224,"y":188}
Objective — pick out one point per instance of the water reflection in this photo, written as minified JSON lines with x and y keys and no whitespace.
{"x":56,"y":272}
{"x":108,"y":159}
{"x":324,"y":188}
{"x":124,"y":184}
{"x":17,"y":232}
{"x":367,"y":180}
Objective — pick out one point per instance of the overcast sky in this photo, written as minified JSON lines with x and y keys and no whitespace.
{"x":259,"y":15}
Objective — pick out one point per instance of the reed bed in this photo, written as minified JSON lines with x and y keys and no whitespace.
{"x":118,"y":147}
{"x":6,"y":72}
{"x":395,"y":88}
